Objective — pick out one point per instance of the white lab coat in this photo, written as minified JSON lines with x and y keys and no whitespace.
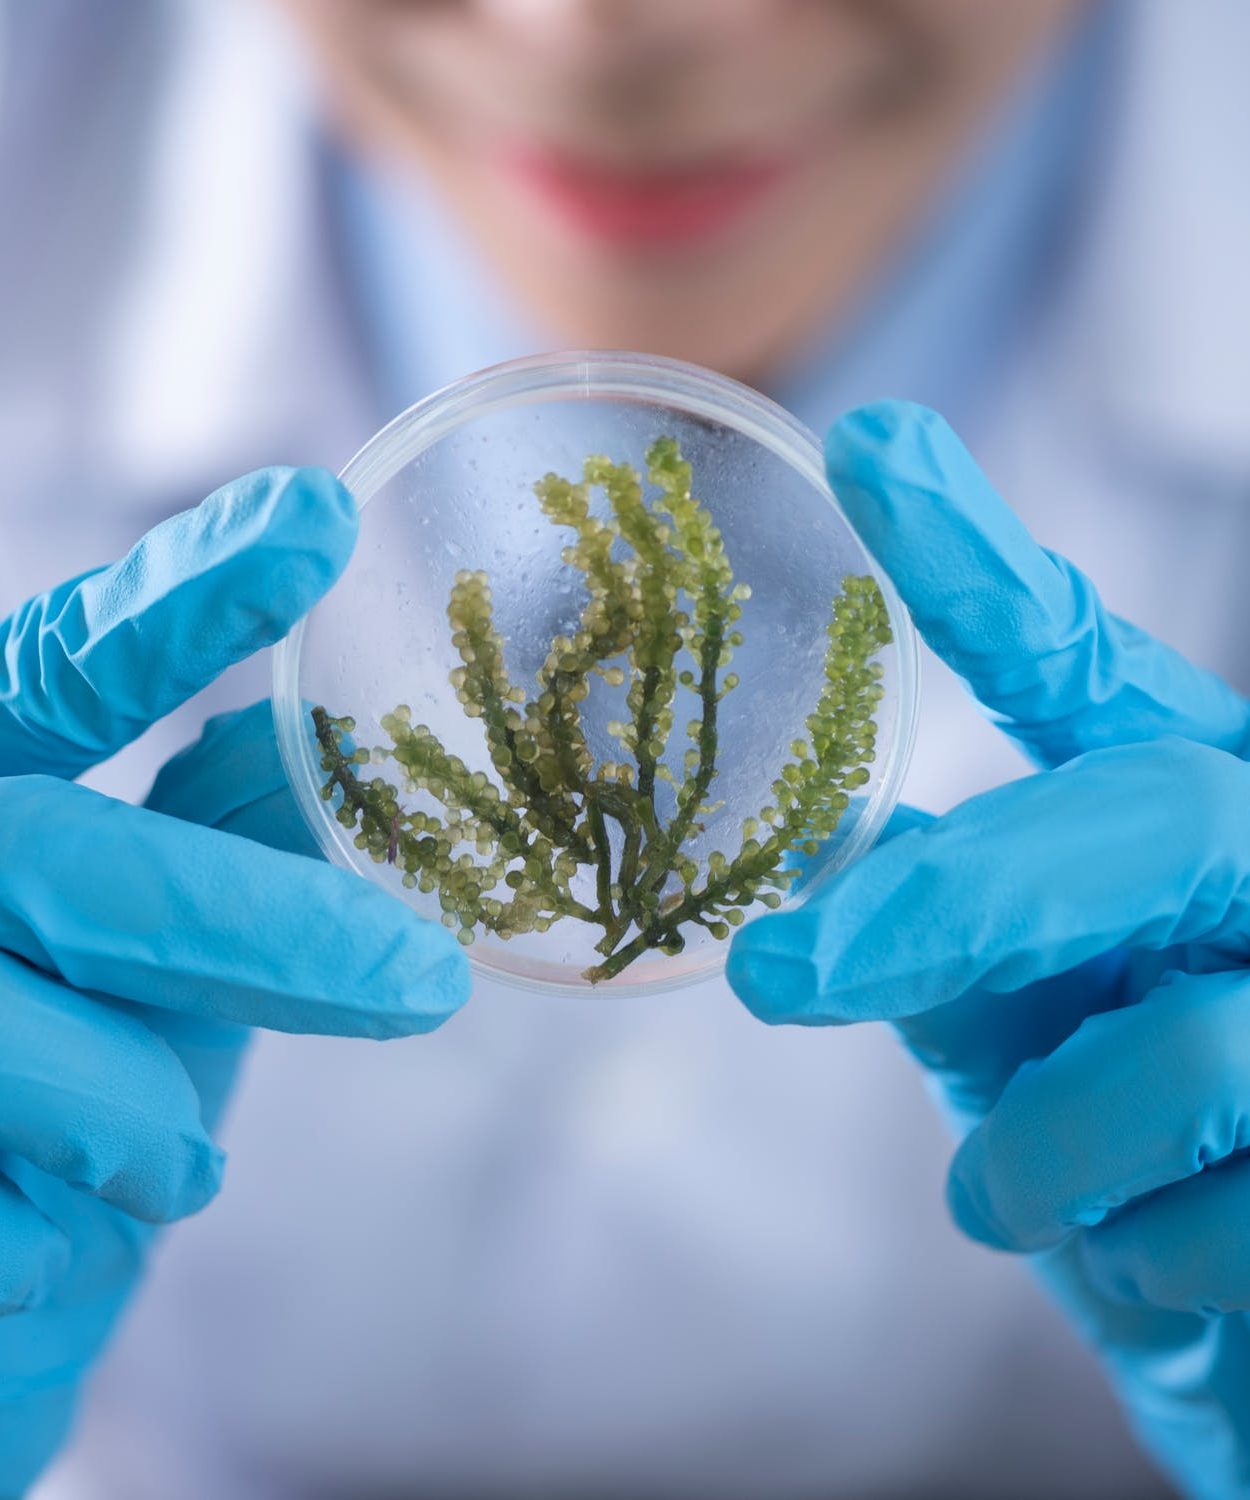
{"x":562,"y":1248}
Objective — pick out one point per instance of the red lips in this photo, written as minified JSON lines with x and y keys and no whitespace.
{"x":641,"y":207}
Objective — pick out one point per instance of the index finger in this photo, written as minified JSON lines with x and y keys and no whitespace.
{"x":87,"y":667}
{"x":1023,"y":626}
{"x":1146,"y":845}
{"x":118,"y":900}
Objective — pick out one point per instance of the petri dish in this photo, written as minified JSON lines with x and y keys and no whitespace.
{"x":573,"y":858}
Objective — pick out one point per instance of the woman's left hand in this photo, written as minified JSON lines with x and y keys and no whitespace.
{"x":1068,"y":954}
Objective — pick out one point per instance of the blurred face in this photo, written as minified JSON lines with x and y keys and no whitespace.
{"x":704,"y":178}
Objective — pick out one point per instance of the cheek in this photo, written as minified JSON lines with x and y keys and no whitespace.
{"x":383,"y":64}
{"x":952,"y":28}
{"x":353,"y":36}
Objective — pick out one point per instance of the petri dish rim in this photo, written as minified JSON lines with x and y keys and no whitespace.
{"x":593,"y":375}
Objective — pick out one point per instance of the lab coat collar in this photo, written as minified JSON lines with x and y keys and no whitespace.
{"x":1153,"y":347}
{"x":231,"y":337}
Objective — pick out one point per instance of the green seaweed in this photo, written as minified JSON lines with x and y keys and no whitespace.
{"x":662,"y":613}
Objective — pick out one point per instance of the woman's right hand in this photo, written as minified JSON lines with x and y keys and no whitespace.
{"x":136,"y":948}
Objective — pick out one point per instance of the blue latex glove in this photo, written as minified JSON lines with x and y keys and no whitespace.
{"x":135,"y":948}
{"x":1067,"y":953}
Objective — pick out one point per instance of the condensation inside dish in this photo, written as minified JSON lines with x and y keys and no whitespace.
{"x":381,"y":637}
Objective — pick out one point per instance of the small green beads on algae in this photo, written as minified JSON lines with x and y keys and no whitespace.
{"x":661,"y":613}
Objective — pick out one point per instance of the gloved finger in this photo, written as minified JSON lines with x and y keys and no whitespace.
{"x":1183,"y":1249}
{"x":232,"y":778}
{"x":87,"y":667}
{"x":971,"y":1049}
{"x":209,"y":1051}
{"x":1145,"y":845}
{"x":91,"y":1096}
{"x":121,"y":900}
{"x":1133,"y":1100}
{"x":1021,"y":625}
{"x":34,"y":1253}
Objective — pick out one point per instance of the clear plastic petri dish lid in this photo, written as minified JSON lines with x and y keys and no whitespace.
{"x":595,"y":718}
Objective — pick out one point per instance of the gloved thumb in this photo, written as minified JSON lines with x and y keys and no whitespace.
{"x":232,"y":779}
{"x":1023,"y":626}
{"x":88,"y":666}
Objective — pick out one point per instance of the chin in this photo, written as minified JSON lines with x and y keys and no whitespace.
{"x":680,"y":319}
{"x":703,"y":304}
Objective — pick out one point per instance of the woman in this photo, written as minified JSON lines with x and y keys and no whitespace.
{"x":651,"y":1250}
